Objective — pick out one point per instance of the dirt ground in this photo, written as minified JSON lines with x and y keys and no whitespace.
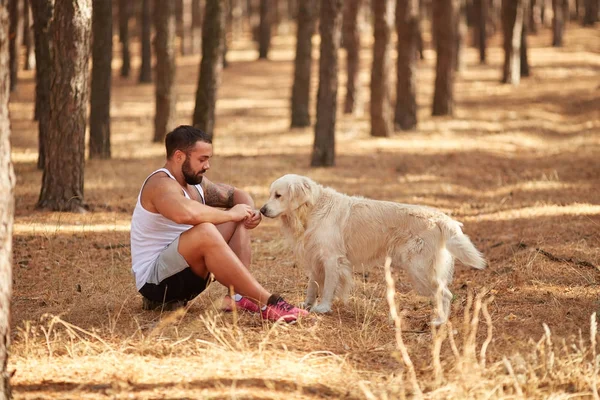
{"x":519,"y":166}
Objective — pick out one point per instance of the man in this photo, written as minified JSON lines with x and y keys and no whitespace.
{"x":185,"y":230}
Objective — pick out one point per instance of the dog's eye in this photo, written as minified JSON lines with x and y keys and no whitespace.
{"x":277,"y":195}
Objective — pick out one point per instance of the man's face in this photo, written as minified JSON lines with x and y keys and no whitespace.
{"x":196,"y":163}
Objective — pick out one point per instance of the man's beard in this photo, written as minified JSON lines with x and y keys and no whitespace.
{"x":188,"y":174}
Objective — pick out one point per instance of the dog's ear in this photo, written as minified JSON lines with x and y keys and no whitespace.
{"x":301,"y":192}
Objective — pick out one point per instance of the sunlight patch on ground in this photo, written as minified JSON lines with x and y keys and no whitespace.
{"x":40,"y":228}
{"x":536,"y":212}
{"x":28,"y":156}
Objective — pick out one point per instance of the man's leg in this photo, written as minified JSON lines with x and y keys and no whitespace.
{"x":205,"y":249}
{"x":238,"y":238}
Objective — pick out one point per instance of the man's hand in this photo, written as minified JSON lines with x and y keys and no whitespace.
{"x":253,"y":221}
{"x":241,"y":212}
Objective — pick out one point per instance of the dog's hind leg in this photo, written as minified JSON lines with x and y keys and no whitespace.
{"x":443,"y":266}
{"x":346,"y":282}
{"x":431,"y":272}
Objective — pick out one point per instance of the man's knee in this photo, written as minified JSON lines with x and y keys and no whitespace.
{"x":205,"y":234}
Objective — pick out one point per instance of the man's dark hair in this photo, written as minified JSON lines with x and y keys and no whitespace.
{"x":183,"y":138}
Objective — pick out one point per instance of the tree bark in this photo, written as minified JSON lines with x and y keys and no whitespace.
{"x":42,"y":11}
{"x":7,"y":183}
{"x":15,"y":39}
{"x":351,"y":39}
{"x":558,"y":22}
{"x":303,"y":64}
{"x":512,"y":26}
{"x":101,"y":79}
{"x":381,"y":106}
{"x":480,"y":9}
{"x":524,"y":58}
{"x":146,"y":67}
{"x":124,"y":15}
{"x":534,"y":16}
{"x":196,"y":26}
{"x":62,"y":180}
{"x":27,"y":38}
{"x":186,"y":27}
{"x":264,"y":41}
{"x":164,"y":48}
{"x":407,"y":28}
{"x":461,"y":33}
{"x":444,"y":14}
{"x":209,"y":79}
{"x":330,"y":27}
{"x":590,"y":16}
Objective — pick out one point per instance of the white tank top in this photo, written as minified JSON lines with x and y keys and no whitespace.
{"x":151,"y":233}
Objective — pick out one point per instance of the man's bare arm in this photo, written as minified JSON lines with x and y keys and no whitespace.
{"x":218,"y":194}
{"x":166,"y":196}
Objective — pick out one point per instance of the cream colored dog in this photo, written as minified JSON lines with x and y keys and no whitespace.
{"x":332,"y":232}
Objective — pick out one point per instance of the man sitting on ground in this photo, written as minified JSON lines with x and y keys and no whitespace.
{"x":185,"y":230}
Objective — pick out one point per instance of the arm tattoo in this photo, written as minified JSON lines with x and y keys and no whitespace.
{"x":219,"y":195}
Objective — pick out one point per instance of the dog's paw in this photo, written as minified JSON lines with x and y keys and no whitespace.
{"x":321,"y":308}
{"x":306,"y":305}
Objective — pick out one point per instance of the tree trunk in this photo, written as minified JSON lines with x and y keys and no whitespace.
{"x":196,"y":26}
{"x":41,"y":11}
{"x":330,"y":27}
{"x":264,"y":41}
{"x":512,"y":26}
{"x":524,"y":59}
{"x":7,"y":183}
{"x":480,"y":8}
{"x":381,"y":107}
{"x":15,"y":38}
{"x":237,"y":22}
{"x":186,"y":27}
{"x":164,"y":48}
{"x":62,"y":181}
{"x":534,"y":16}
{"x":101,"y":79}
{"x":27,"y":37}
{"x":146,"y":67}
{"x":209,"y":79}
{"x":407,"y":25}
{"x":124,"y":15}
{"x":461,"y":33}
{"x":303,"y":64}
{"x":444,"y":14}
{"x":591,"y":12}
{"x":351,"y":39}
{"x":558,"y":22}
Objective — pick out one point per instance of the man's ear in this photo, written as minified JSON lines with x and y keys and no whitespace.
{"x":179,"y":155}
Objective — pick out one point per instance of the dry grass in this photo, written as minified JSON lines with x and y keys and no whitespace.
{"x":518,"y":165}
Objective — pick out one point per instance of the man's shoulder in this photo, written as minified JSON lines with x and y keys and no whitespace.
{"x":159,"y":181}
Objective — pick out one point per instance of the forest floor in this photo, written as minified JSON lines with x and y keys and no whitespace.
{"x":519,"y":166}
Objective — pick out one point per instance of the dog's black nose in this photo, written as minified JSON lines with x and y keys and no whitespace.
{"x":263,"y":210}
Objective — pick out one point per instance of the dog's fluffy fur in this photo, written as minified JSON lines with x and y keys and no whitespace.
{"x":332,"y":232}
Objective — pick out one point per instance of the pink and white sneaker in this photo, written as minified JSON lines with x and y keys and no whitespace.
{"x":243,"y":305}
{"x":277,"y":309}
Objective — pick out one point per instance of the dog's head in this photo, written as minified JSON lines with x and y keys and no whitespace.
{"x":288,"y":193}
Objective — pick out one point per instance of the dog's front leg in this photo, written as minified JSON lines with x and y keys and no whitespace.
{"x":311,"y":292}
{"x":332,"y":279}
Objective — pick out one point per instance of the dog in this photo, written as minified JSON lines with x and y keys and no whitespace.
{"x":331,"y":232}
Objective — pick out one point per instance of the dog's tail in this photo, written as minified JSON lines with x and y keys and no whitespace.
{"x":459,"y":244}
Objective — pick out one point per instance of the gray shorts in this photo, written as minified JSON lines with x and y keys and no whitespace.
{"x":168,"y":263}
{"x":172,"y":279}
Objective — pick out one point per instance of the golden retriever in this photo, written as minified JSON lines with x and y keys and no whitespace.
{"x":332,"y":232}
